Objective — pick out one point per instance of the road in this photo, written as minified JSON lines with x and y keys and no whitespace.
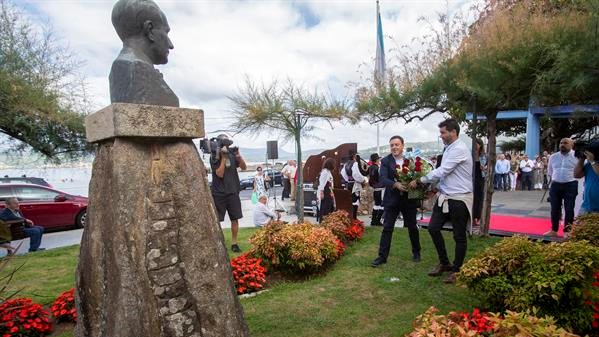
{"x":247,"y":193}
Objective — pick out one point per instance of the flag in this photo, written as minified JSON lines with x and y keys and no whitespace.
{"x":379,"y":64}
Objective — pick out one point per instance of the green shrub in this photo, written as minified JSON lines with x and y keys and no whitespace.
{"x":295,"y":248}
{"x":555,"y":278}
{"x":586,"y":227}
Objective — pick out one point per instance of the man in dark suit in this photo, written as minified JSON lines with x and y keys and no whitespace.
{"x":396,"y":201}
{"x":12,"y":215}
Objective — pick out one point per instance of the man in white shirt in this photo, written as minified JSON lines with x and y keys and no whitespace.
{"x":564,"y":186}
{"x":454,"y":200}
{"x":262,"y":214}
{"x":292,"y":172}
{"x":351,"y":173}
{"x":502,"y":168}
{"x":526,"y":167}
{"x":285,"y":173}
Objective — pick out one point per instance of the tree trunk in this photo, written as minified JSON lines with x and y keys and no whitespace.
{"x":299,"y":189}
{"x":489,"y":188}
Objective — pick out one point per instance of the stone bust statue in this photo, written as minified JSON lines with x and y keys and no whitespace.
{"x":143,"y":28}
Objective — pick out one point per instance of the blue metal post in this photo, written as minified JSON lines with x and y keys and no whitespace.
{"x":533,"y":132}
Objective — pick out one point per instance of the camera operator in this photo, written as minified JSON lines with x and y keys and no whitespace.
{"x":224,"y":162}
{"x":590,"y":172}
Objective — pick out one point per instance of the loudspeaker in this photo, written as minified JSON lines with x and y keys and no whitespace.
{"x":272,"y":149}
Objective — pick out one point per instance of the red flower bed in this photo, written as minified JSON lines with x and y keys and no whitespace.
{"x":594,"y":304}
{"x":248,"y":273}
{"x":64,"y":307}
{"x":22,"y":317}
{"x":355,"y":231}
{"x":477,"y":321}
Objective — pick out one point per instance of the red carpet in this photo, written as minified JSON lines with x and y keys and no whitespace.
{"x":519,"y":225}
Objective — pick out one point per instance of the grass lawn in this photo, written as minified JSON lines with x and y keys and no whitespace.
{"x":352,"y":299}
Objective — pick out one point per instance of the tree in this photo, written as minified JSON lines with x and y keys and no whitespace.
{"x":286,"y":109}
{"x":511,"y":53}
{"x":42,"y":98}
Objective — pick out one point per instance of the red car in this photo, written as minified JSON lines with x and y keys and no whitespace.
{"x":45,"y":206}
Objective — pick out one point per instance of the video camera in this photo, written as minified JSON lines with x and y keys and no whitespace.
{"x":216,"y":145}
{"x":581,"y":146}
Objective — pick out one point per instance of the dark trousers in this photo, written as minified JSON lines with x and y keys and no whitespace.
{"x":502,"y":182}
{"x":34,"y":233}
{"x":408,"y":210}
{"x":566,"y":192}
{"x":527,"y":181}
{"x":458,"y":216}
{"x":286,"y":188}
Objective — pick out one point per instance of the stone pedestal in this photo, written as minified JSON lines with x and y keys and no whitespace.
{"x":153,"y":260}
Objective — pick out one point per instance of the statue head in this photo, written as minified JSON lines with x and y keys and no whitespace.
{"x":142,"y":25}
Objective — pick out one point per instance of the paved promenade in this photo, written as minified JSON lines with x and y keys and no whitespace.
{"x":516,"y":203}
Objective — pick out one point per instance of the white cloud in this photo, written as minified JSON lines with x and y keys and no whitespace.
{"x":217,"y":43}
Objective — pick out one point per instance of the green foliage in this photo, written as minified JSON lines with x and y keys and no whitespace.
{"x":516,"y":145}
{"x":525,"y":324}
{"x":586,"y":227}
{"x":295,"y":248}
{"x":41,"y":97}
{"x":518,"y":275}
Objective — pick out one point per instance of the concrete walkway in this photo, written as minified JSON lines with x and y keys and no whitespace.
{"x":516,"y":203}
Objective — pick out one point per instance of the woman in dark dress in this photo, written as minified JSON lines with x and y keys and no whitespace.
{"x":480,"y":165}
{"x":326,"y":198}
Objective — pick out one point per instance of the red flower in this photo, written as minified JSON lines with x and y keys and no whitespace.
{"x":405,"y":170}
{"x":406,"y":162}
{"x":249,"y":274}
{"x":64,"y":307}
{"x":418,"y":159}
{"x":23,"y":316}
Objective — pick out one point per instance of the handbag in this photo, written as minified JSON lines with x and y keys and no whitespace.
{"x":254,"y":197}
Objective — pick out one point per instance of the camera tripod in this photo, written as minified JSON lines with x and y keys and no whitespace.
{"x":277,"y":206}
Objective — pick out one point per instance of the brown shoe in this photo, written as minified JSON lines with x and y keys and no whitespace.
{"x":440,"y":269}
{"x":450,"y":279}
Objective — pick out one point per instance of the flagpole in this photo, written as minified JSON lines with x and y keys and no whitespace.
{"x":379,"y":62}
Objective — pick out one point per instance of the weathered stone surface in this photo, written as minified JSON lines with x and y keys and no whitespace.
{"x":151,"y":263}
{"x":141,"y":120}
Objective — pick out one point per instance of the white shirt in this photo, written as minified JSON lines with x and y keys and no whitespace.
{"x":262,"y":215}
{"x":325,"y":176}
{"x":502,"y":166}
{"x":286,"y":171}
{"x":455,"y":173}
{"x":527,"y":165}
{"x":561,"y":167}
{"x":355,"y":173}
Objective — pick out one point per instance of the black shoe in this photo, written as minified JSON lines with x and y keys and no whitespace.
{"x":440,"y":269}
{"x":416,"y":257}
{"x":377,"y":262}
{"x":235,"y":248}
{"x":37,"y":250}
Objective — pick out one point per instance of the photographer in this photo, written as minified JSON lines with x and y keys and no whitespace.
{"x":590,"y":172}
{"x":564,"y":186}
{"x":224,"y":162}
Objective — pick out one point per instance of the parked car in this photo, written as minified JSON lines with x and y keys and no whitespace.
{"x":47,"y":207}
{"x":24,"y":180}
{"x":249,"y":181}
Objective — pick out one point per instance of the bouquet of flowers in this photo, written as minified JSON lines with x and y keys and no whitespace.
{"x":409,"y":170}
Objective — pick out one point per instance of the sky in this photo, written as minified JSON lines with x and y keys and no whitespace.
{"x":320,"y":44}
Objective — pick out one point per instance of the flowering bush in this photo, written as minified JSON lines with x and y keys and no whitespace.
{"x":586,"y":227}
{"x":409,"y":170}
{"x":248,"y":273}
{"x":21,"y":317}
{"x":593,"y":303}
{"x":295,"y":248}
{"x":480,"y":324}
{"x":355,"y":231}
{"x":338,"y":222}
{"x":556,"y":278}
{"x":340,"y":247}
{"x":64,"y":307}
